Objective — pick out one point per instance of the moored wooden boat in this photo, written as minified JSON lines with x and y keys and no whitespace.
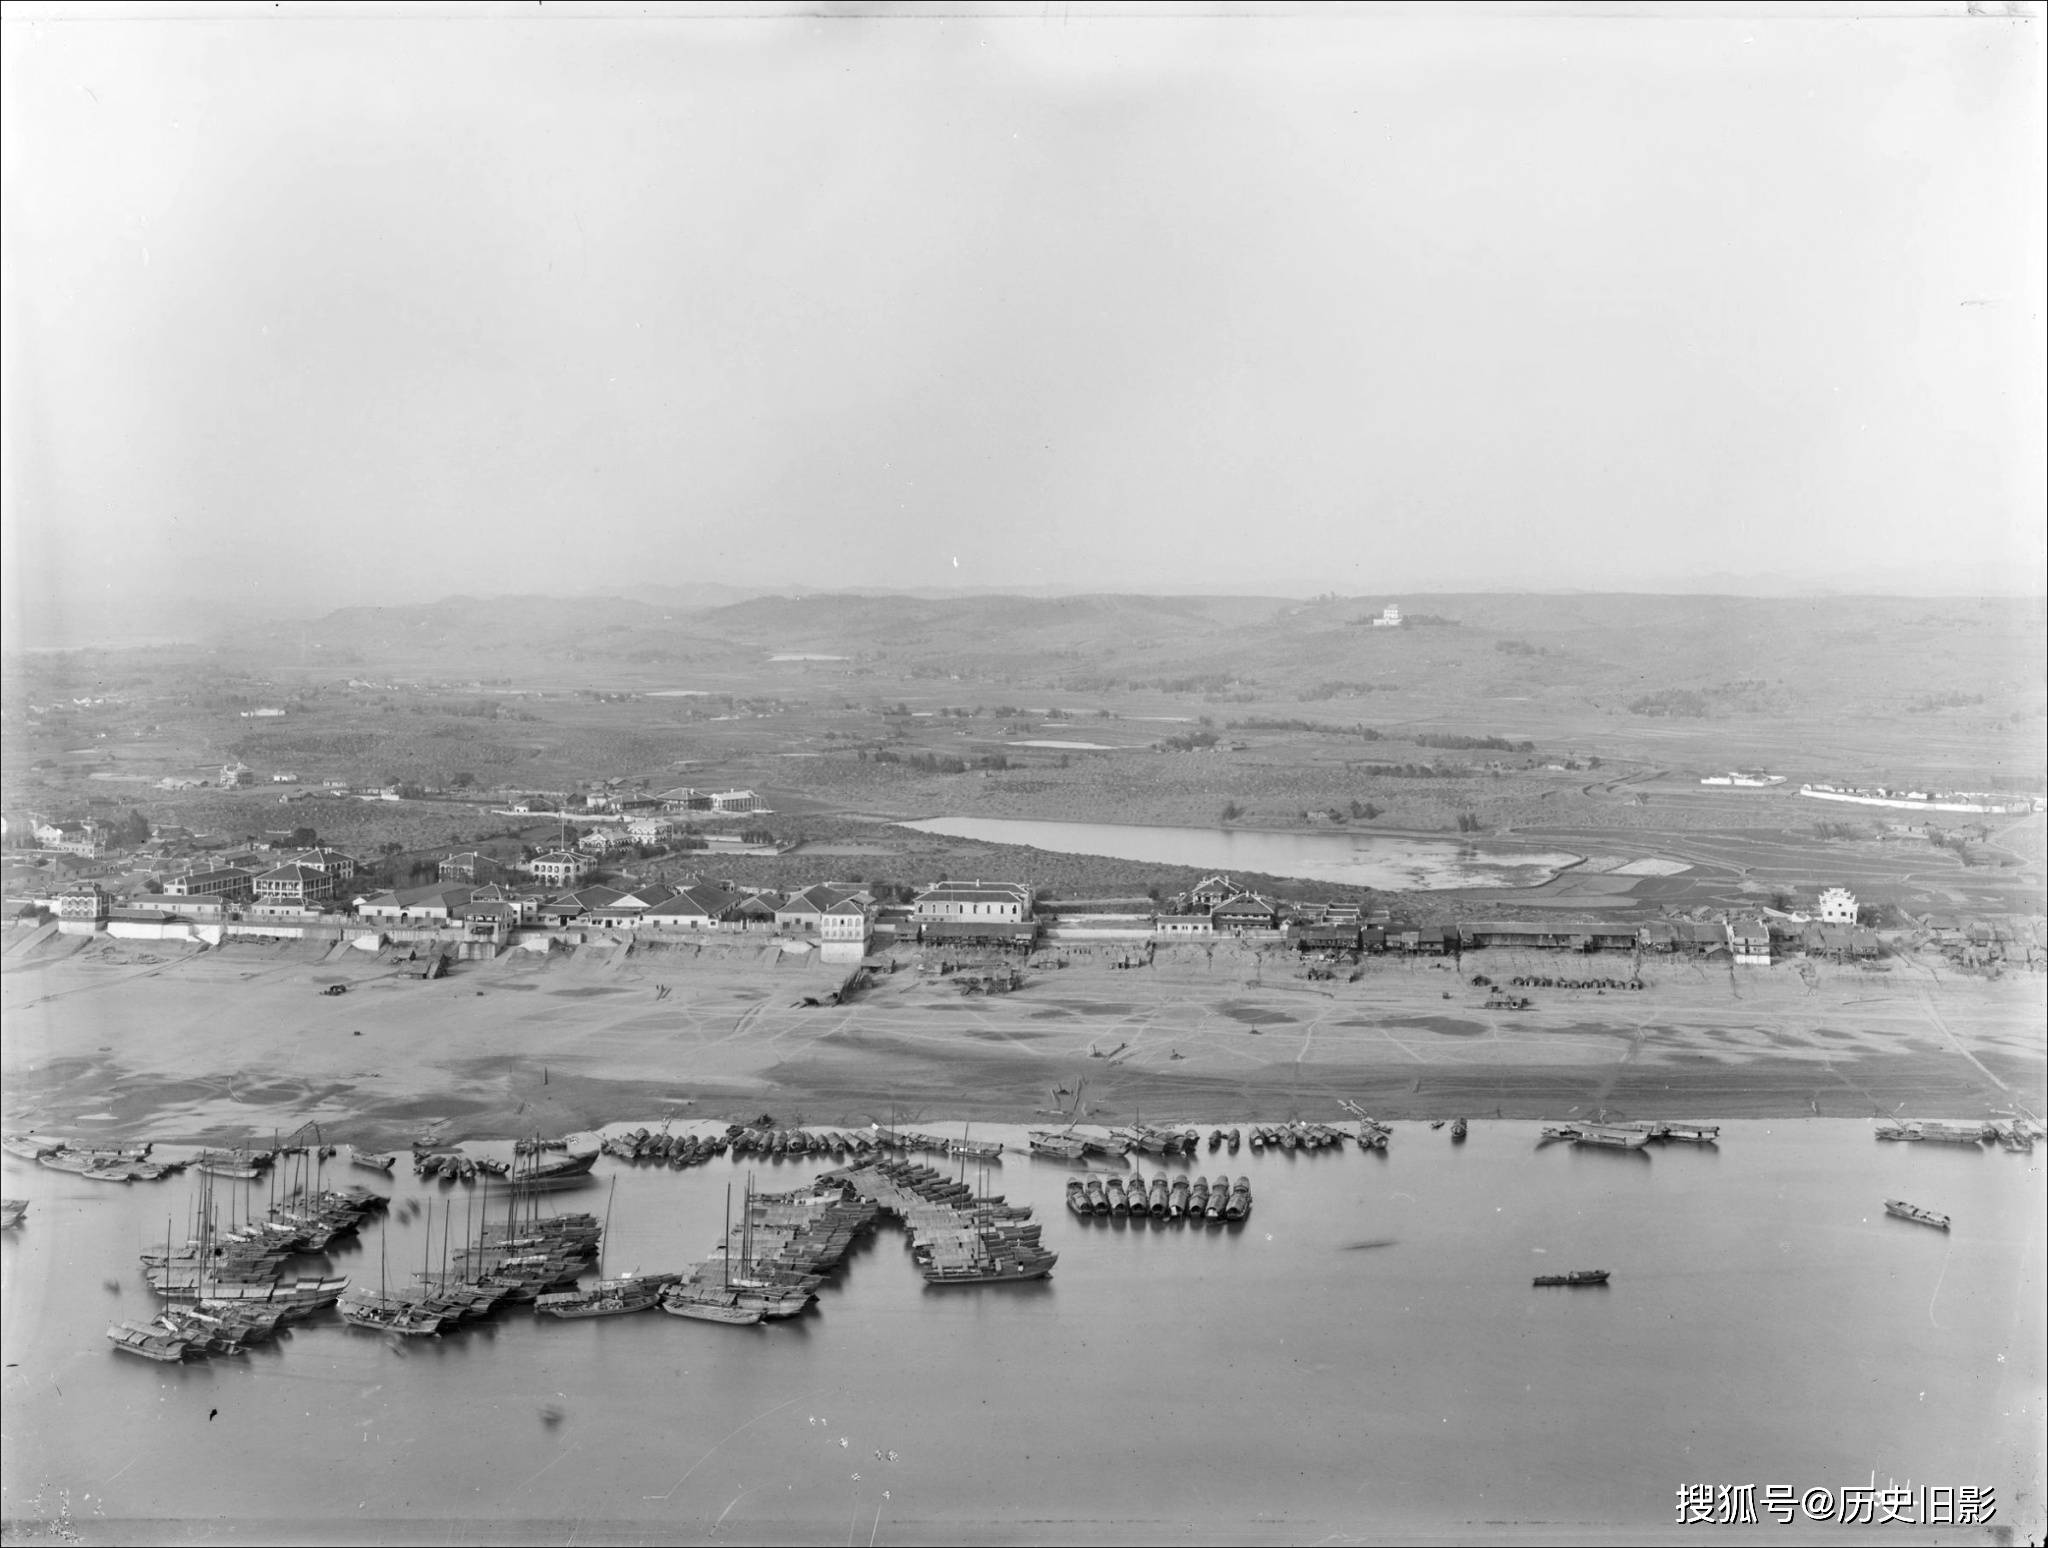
{"x":1077,"y":1197}
{"x":1915,"y":1213}
{"x":1457,"y":1132}
{"x":1219,"y":1198}
{"x":11,"y":1213}
{"x":1611,"y":1138}
{"x":1575,"y":1279}
{"x":1059,"y":1146}
{"x":1231,"y":1140}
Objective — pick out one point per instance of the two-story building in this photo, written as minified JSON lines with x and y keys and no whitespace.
{"x":1246,"y":911}
{"x":1837,"y":906}
{"x":293,"y":884}
{"x":470,"y":866}
{"x":1750,"y":941}
{"x":332,"y":861}
{"x":229,"y":883}
{"x":83,"y":901}
{"x":559,"y":868}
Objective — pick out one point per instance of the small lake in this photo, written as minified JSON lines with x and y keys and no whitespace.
{"x":1384,"y":861}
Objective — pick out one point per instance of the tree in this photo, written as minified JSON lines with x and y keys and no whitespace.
{"x":462,"y":779}
{"x":304,"y":838}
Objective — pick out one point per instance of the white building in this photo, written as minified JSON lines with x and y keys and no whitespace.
{"x":975,"y":902}
{"x":559,"y":868}
{"x":1837,"y":906}
{"x":1390,"y":618}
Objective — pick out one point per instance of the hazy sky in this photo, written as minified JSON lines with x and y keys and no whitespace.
{"x":307,"y":309}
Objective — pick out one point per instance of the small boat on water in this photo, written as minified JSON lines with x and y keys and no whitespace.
{"x":1231,"y":1140}
{"x":11,"y":1213}
{"x":1577,"y":1279}
{"x":1915,"y":1213}
{"x":609,"y":1298}
{"x":375,"y":1163}
{"x":1119,"y":1201}
{"x":1219,"y":1197}
{"x":1077,"y":1197}
{"x":1098,"y":1198}
{"x":1258,"y":1138}
{"x":1156,"y":1198}
{"x":709,"y":1303}
{"x":1458,"y":1132}
{"x":1613,"y":1139}
{"x":1215,"y":1139}
{"x":151,"y":1342}
{"x":1198,"y":1198}
{"x":1061,"y":1147}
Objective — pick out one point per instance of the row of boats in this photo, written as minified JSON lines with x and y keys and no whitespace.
{"x":2016,"y":1135}
{"x":1163,"y":1198}
{"x":957,"y":1236}
{"x":101,"y":1163}
{"x":1630,"y":1136}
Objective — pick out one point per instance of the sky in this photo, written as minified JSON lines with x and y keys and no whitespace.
{"x":305,"y":309}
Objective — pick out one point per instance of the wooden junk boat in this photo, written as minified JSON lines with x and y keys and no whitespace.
{"x":1576,"y":1279}
{"x":1062,"y":1147}
{"x":1458,"y":1132}
{"x":1915,"y":1213}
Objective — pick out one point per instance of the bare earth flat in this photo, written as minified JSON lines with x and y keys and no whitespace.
{"x":122,"y":1038}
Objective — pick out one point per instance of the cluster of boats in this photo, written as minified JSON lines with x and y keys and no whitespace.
{"x":1631,"y":1136}
{"x":101,"y":1163}
{"x":1163,"y":1198}
{"x":2016,"y":1135}
{"x":957,"y":1237}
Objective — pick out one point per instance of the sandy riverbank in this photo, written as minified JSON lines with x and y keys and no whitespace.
{"x":133,"y":1039}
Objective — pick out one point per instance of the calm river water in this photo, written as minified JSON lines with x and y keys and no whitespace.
{"x":1365,"y":1357}
{"x":1386,"y":861}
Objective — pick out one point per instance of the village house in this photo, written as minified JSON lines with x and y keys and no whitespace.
{"x":1837,"y":907}
{"x":1325,"y":937}
{"x":1390,"y":618}
{"x":573,"y":907}
{"x":601,"y":841}
{"x":697,"y":909}
{"x":626,"y":910}
{"x":1702,"y":937}
{"x":801,"y":913}
{"x":418,"y":906}
{"x":1750,"y":940}
{"x":1246,"y":911}
{"x":649,"y":830}
{"x":1184,"y":927}
{"x":734,"y":801}
{"x":1210,"y":891}
{"x":559,"y":868}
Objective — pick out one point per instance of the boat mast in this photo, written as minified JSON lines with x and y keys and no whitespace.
{"x":728,"y":1236}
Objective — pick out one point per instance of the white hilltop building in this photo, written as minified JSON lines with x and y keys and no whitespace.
{"x":1390,"y":617}
{"x":1837,"y":906}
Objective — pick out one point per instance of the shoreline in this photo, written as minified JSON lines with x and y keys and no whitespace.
{"x":240,"y":1044}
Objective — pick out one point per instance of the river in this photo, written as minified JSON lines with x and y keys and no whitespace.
{"x":1385,"y":861}
{"x":1364,"y":1357}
